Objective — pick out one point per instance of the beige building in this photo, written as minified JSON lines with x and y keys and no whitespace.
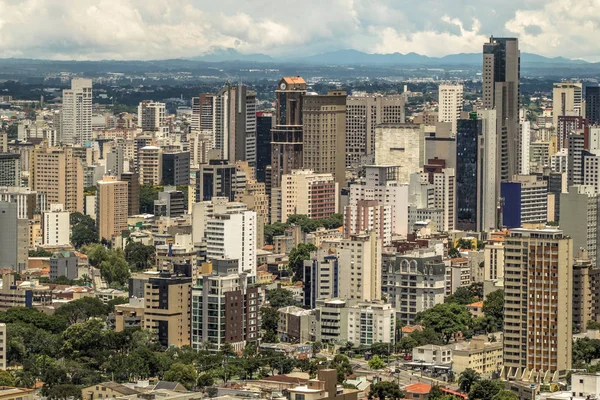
{"x":58,"y":173}
{"x":13,"y":393}
{"x":567,"y":100}
{"x":106,"y":390}
{"x":538,"y":294}
{"x":308,"y":193}
{"x":111,"y":207}
{"x":360,"y":256}
{"x":324,"y":134}
{"x":167,"y":309}
{"x":324,"y":387}
{"x":493,"y":257}
{"x":481,"y":354}
{"x":150,"y":164}
{"x":363,"y":113}
{"x":585,"y":299}
{"x":450,"y":103}
{"x":129,"y":315}
{"x":401,"y":145}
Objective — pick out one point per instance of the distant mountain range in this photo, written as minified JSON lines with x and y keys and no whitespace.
{"x":355,"y":57}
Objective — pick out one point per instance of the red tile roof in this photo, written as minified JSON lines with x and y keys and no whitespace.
{"x":418,"y":388}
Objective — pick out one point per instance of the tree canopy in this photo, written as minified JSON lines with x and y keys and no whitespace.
{"x":297,"y":256}
{"x":280,"y":297}
{"x":446,"y":319}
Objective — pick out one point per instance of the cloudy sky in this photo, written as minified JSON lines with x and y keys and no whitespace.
{"x":158,"y":29}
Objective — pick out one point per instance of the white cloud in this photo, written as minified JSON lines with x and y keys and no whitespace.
{"x":151,"y":29}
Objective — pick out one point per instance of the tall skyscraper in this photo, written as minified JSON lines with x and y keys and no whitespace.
{"x":567,"y":100}
{"x":537,"y":305}
{"x":111,"y":207}
{"x":151,"y":115}
{"x":13,"y":238}
{"x":150,"y":165}
{"x":592,"y":104}
{"x":579,"y":218}
{"x":76,"y":113}
{"x":286,"y":135}
{"x":525,"y":200}
{"x":450,"y":104}
{"x":235,"y":123}
{"x":363,"y":113}
{"x":133,"y":192}
{"x":56,"y":172}
{"x":501,"y":91}
{"x":402,"y":145}
{"x":476,"y":185}
{"x":56,"y":226}
{"x":176,"y":168}
{"x":217,"y":179}
{"x":10,"y":169}
{"x":324,"y":134}
{"x":264,"y":123}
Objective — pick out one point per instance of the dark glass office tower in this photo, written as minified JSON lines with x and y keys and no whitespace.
{"x":592,"y":104}
{"x":467,"y":136}
{"x":264,"y":123}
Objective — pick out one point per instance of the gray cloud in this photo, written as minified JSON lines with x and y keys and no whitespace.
{"x":155,"y":29}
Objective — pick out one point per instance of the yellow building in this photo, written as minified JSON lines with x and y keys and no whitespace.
{"x":105,"y":390}
{"x":13,"y":393}
{"x":111,"y":207}
{"x":58,"y":173}
{"x":480,"y":354}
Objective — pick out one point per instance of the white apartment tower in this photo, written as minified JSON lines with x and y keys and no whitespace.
{"x":567,"y":100}
{"x":450,"y":100}
{"x":233,"y":236}
{"x":56,"y":226}
{"x":76,"y":114}
{"x":151,"y":115}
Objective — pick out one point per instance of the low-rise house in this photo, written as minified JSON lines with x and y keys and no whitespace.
{"x":482,"y":353}
{"x":417,"y":391}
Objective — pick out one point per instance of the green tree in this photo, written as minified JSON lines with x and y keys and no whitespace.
{"x":115,"y":268}
{"x":62,"y":392}
{"x":205,"y":380}
{"x":485,"y":389}
{"x":270,"y":319}
{"x":462,"y":295}
{"x":376,"y":363}
{"x":183,"y":373}
{"x":148,"y":193}
{"x":385,"y":390}
{"x":505,"y":395}
{"x":40,"y":253}
{"x":274,"y":229}
{"x":476,"y":289}
{"x":342,"y":365}
{"x":406,"y":344}
{"x":139,"y":256}
{"x":493,"y":307}
{"x":83,"y":230}
{"x":427,"y":336}
{"x":446,"y":319}
{"x":467,"y":379}
{"x":297,"y":257}
{"x":82,"y":309}
{"x":83,"y":337}
{"x":281,"y":298}
{"x":7,"y":379}
{"x":435,"y":393}
{"x":453,"y":252}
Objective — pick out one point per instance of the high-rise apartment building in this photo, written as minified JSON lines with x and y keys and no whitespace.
{"x":218,"y":179}
{"x":501,"y":91}
{"x":538,"y":279}
{"x":568,"y":125}
{"x":579,"y":218}
{"x":576,"y":156}
{"x":111,"y":207}
{"x":477,"y":187}
{"x":133,"y":192}
{"x":76,"y":113}
{"x":525,"y":201}
{"x":363,"y":113}
{"x":321,"y":276}
{"x":13,"y":238}
{"x":232,"y":235}
{"x":150,"y":165}
{"x":10,"y":169}
{"x":324,"y":134}
{"x":367,"y":216}
{"x":170,"y":203}
{"x":167,"y":305}
{"x":401,"y":145}
{"x":176,"y":168}
{"x":413,"y":282}
{"x":56,"y":172}
{"x":567,"y":100}
{"x":450,"y":104}
{"x":592,"y":104}
{"x":493,"y":258}
{"x":56,"y":227}
{"x":28,"y":202}
{"x":308,"y":193}
{"x":286,"y":134}
{"x":151,"y":116}
{"x":381,"y":184}
{"x":443,"y":180}
{"x":361,"y":257}
{"x":225,"y":308}
{"x":586,"y":277}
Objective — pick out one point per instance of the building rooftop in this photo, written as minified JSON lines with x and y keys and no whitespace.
{"x":477,"y":304}
{"x":421,"y":388}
